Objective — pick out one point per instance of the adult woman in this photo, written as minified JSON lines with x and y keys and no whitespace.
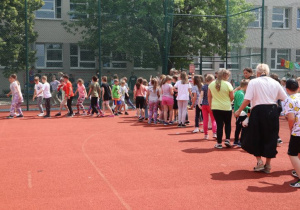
{"x":196,"y":89}
{"x":248,"y":73}
{"x":260,"y":138}
{"x":220,"y":96}
{"x":184,"y":91}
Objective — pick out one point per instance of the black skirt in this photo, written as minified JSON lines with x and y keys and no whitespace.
{"x":260,"y":137}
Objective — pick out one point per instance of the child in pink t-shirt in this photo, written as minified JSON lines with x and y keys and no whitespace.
{"x":82,"y":95}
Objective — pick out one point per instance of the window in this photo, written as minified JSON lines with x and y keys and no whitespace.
{"x":277,"y":55}
{"x":50,"y":10}
{"x":280,"y":18}
{"x":233,"y":61}
{"x":255,"y":57}
{"x":298,"y":19}
{"x":78,"y":9}
{"x":49,"y":56}
{"x":115,"y":60}
{"x":143,"y":62}
{"x":81,"y":57}
{"x":258,"y":19}
{"x":298,"y":56}
{"x":207,"y":63}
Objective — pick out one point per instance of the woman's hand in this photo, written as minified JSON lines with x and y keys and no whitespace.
{"x":237,"y":113}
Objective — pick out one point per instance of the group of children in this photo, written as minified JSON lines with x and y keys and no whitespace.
{"x":161,"y":100}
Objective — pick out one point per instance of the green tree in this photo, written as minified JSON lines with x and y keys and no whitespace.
{"x":12,"y":34}
{"x":138,"y":27}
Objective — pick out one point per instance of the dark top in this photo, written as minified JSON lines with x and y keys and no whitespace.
{"x":205,"y":98}
{"x":107,"y":93}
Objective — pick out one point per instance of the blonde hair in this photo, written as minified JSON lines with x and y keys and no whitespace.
{"x":44,"y":78}
{"x":154,"y":83}
{"x":244,"y":83}
{"x":168,"y":78}
{"x":263,"y":69}
{"x":222,"y":75}
{"x":184,"y":78}
{"x":80,"y":80}
{"x":209,"y":78}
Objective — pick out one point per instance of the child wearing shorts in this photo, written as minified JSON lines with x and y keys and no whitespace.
{"x":82,"y":95}
{"x":123,"y":91}
{"x":106,"y":96}
{"x":139,"y":95}
{"x":62,"y":87}
{"x":94,"y":92}
{"x":175,"y":105}
{"x":292,"y":114}
{"x":167,"y":100}
{"x":116,"y":96}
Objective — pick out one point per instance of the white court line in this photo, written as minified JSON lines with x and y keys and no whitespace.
{"x":29,"y":179}
{"x":102,"y":175}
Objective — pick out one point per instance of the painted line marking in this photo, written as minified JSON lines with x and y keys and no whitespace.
{"x":102,"y":175}
{"x":29,"y":179}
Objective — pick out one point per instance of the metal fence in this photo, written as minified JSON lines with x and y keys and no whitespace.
{"x":130,"y":39}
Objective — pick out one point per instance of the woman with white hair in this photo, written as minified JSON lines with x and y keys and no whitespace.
{"x":260,"y":138}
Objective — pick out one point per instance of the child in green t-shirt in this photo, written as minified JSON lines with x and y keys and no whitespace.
{"x":116,"y":95}
{"x":238,"y":100}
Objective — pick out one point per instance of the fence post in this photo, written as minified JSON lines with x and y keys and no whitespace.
{"x":227,"y":31}
{"x":262,"y":31}
{"x":201,"y":67}
{"x":99,"y":40}
{"x":26,"y":57}
{"x":165,"y":59}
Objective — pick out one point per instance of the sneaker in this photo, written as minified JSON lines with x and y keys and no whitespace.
{"x":10,"y":117}
{"x":259,"y":167}
{"x":41,"y":114}
{"x":149,"y":122}
{"x":235,"y":143}
{"x":239,"y":145}
{"x":179,"y":125}
{"x":146,"y":118}
{"x":214,"y":135}
{"x":88,"y":113}
{"x":58,"y":114}
{"x":296,"y":184}
{"x":171,"y":122}
{"x":69,"y":115}
{"x":166,"y":123}
{"x":218,"y":146}
{"x":47,"y":116}
{"x":267,"y":169}
{"x":20,"y":116}
{"x":126,"y":113}
{"x":116,"y":114}
{"x":83,"y":114}
{"x":206,"y":137}
{"x":120,"y":113}
{"x":183,"y":125}
{"x":77,"y":113}
{"x":279,"y":141}
{"x":196,"y":130}
{"x":141,"y":119}
{"x":227,"y":143}
{"x":201,"y":131}
{"x":187,"y":122}
{"x":294,"y":173}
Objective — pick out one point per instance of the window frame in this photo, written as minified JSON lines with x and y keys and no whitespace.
{"x":298,"y":55}
{"x":54,"y":10}
{"x":79,"y":61}
{"x":141,"y":57}
{"x":298,"y":19}
{"x":74,"y":15}
{"x":276,"y":58}
{"x":46,"y":57}
{"x":284,"y":18}
{"x":112,"y":62}
{"x":259,"y":19}
{"x":197,"y":67}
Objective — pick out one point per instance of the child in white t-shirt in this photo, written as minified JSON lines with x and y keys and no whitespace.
{"x":38,"y":95}
{"x":47,"y":96}
{"x":17,"y":98}
{"x":82,"y":95}
{"x":124,"y":91}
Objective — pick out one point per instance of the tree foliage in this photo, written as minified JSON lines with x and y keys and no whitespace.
{"x":138,"y":27}
{"x":12,"y":34}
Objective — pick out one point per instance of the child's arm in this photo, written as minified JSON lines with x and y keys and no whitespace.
{"x":99,"y":91}
{"x":103,"y":91}
{"x":242,"y":107}
{"x":8,"y":94}
{"x":171,"y":90}
{"x":209,"y":97}
{"x":90,"y":90}
{"x":85,"y":94}
{"x":291,"y":120}
{"x":76,"y":92}
{"x":34,"y":95}
{"x":200,"y":99}
{"x":147,"y":96}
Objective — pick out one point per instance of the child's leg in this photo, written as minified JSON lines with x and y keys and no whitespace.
{"x":155,"y":110}
{"x":212,"y":119}
{"x":296,"y":163}
{"x":165,"y":112}
{"x":18,"y":108}
{"x":197,"y":116}
{"x":151,"y":105}
{"x":130,"y":103}
{"x":170,"y":113}
{"x":205,"y":119}
{"x":13,"y":106}
{"x":48,"y":106}
{"x":40,"y":103}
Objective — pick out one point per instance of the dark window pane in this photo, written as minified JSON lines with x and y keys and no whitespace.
{"x":87,"y":65}
{"x":55,"y":64}
{"x":87,"y":56}
{"x":74,"y":61}
{"x":73,"y":49}
{"x":54,"y":55}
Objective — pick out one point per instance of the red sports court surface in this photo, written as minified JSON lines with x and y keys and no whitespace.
{"x":119,"y":163}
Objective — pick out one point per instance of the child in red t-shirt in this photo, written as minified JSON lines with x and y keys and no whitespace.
{"x":69,"y":94}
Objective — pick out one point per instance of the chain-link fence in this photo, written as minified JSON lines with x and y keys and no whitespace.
{"x":130,"y":39}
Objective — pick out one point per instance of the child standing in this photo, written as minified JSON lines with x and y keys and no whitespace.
{"x":38,"y":94}
{"x":139,"y":95}
{"x":82,"y":95}
{"x":69,"y":94}
{"x":152,"y":100}
{"x":167,"y":100}
{"x":196,"y":89}
{"x":54,"y":85}
{"x":62,"y":88}
{"x":238,"y":100}
{"x":175,"y":105}
{"x":292,"y":113}
{"x":145,"y":83}
{"x":116,"y":96}
{"x":47,"y":96}
{"x":106,"y":95}
{"x":127,"y":98}
{"x":206,"y":111}
{"x":123,"y":91}
{"x":17,"y":98}
{"x":94,"y":92}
